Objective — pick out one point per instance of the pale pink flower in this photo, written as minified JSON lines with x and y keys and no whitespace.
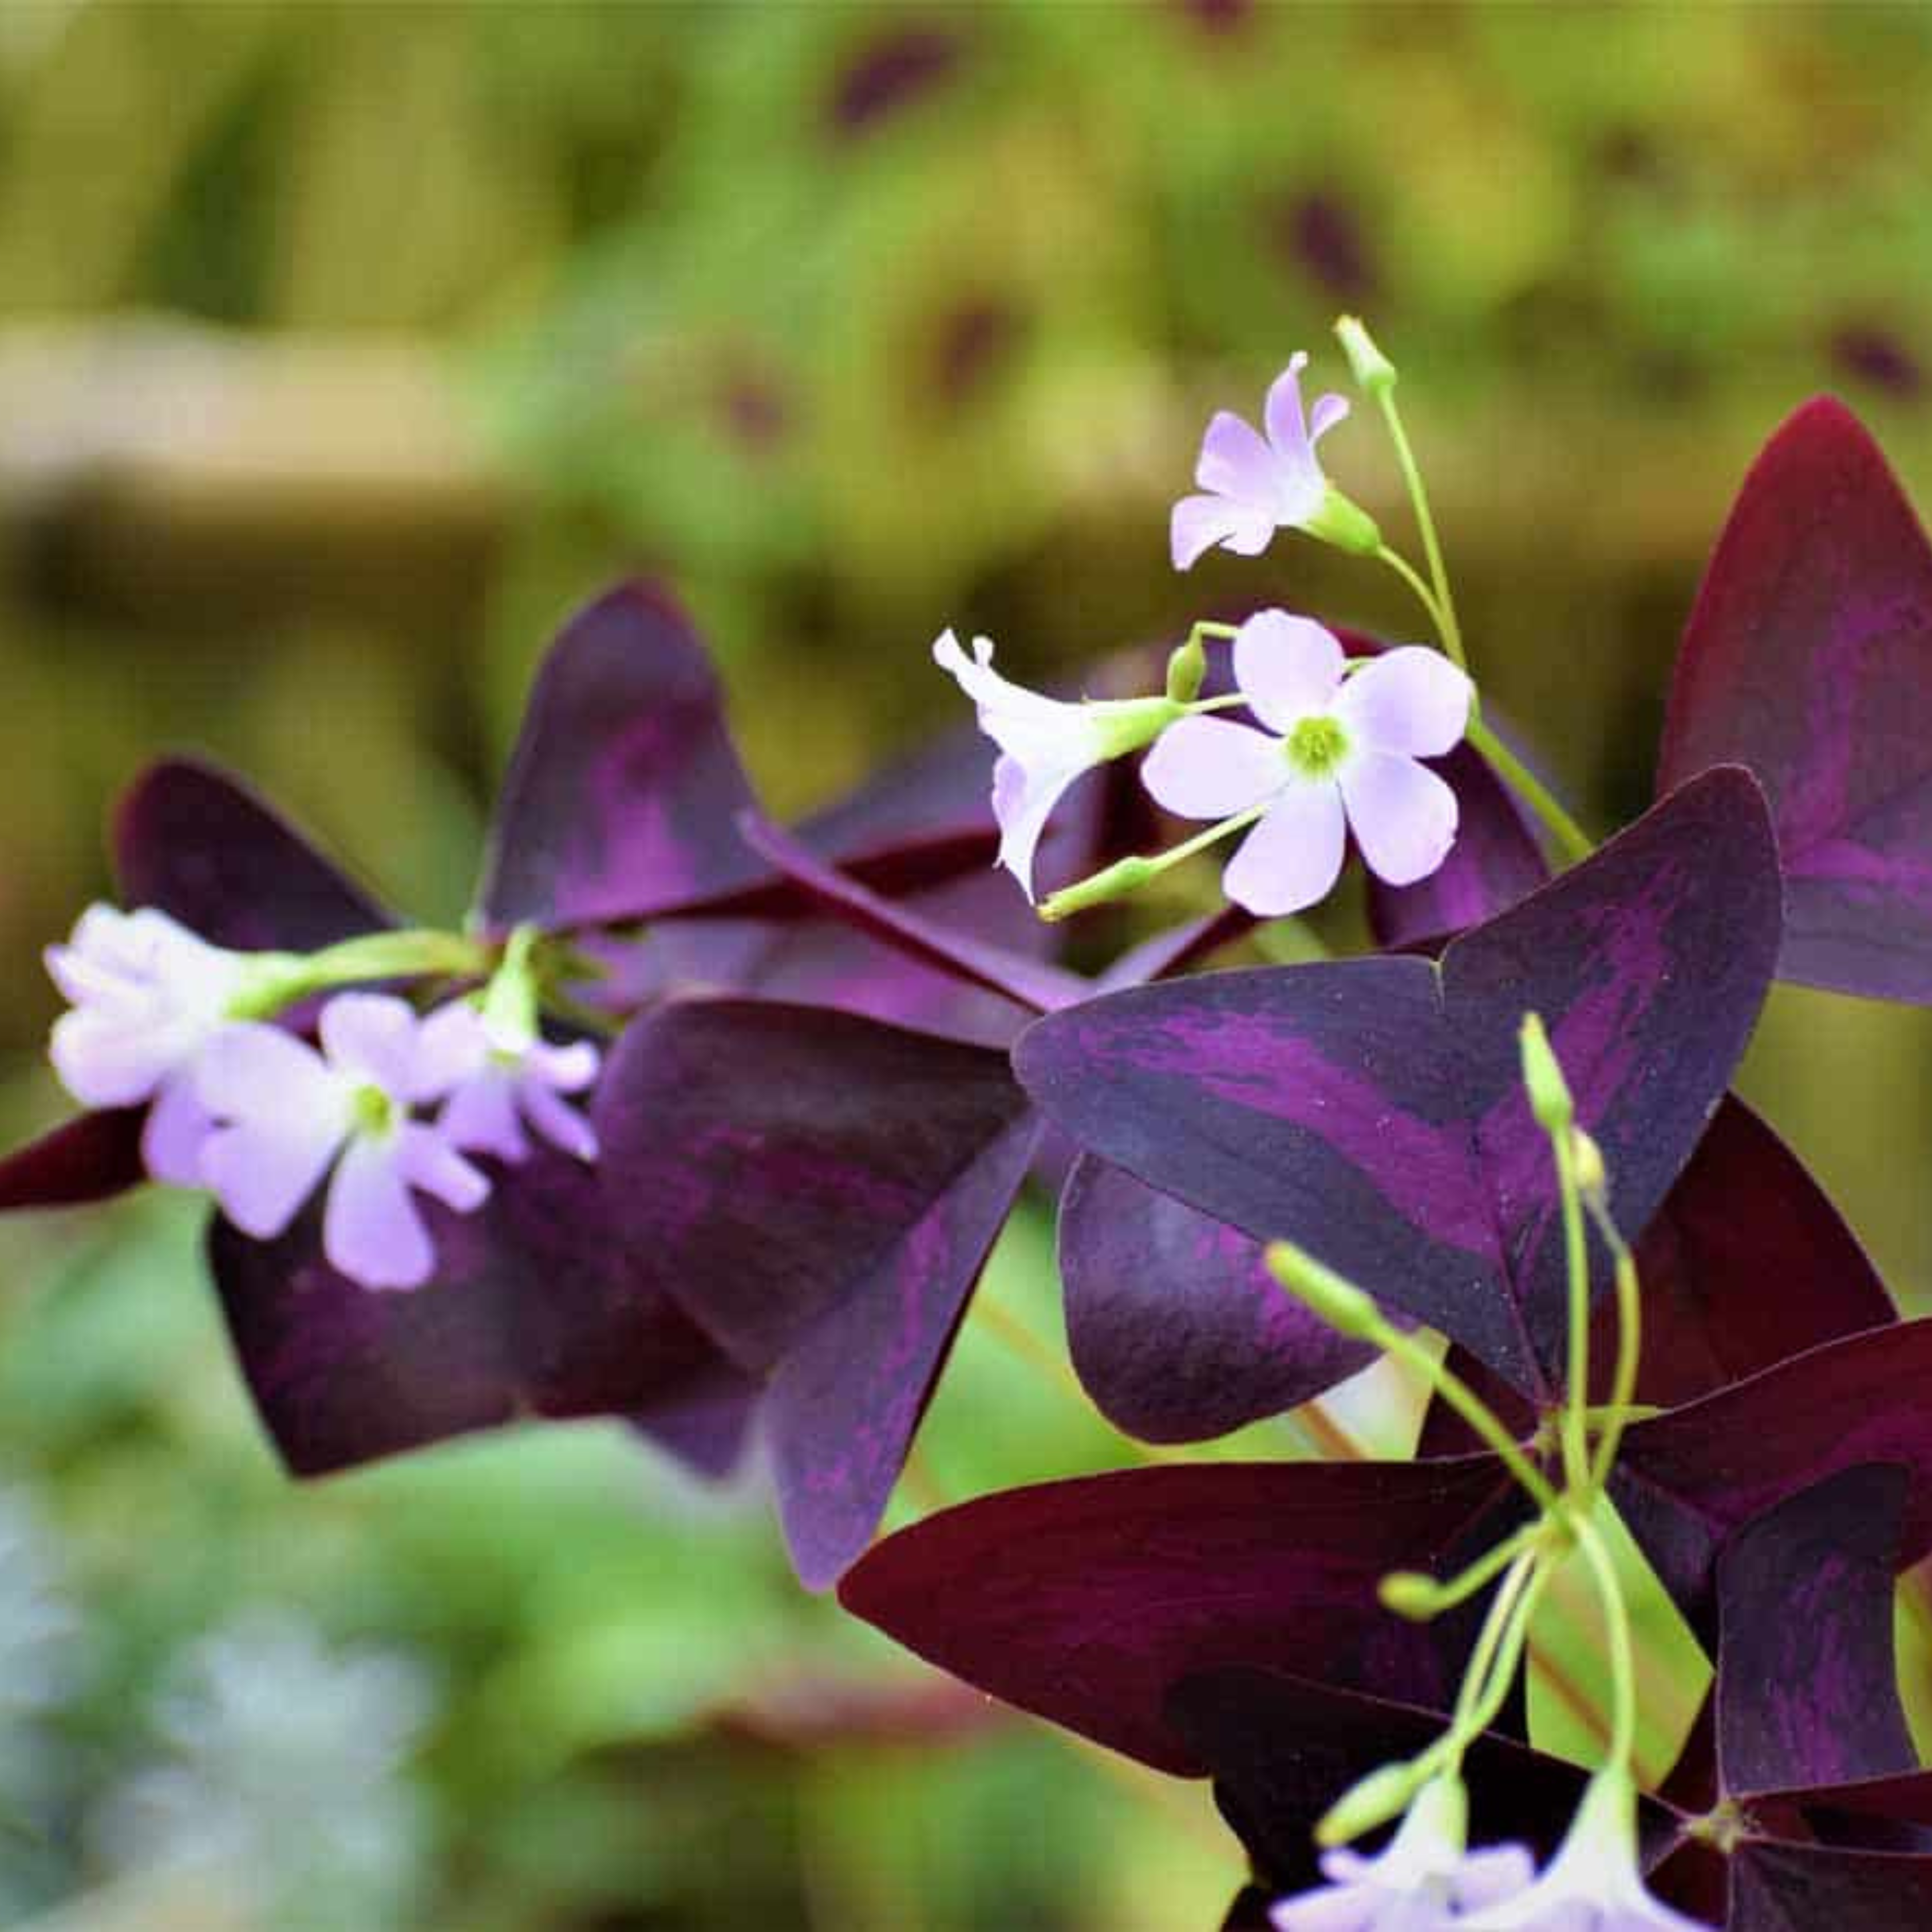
{"x":507,"y":1086}
{"x":1336,"y":755}
{"x":1044,"y":743}
{"x":287,"y":1116}
{"x":1255,"y":485}
{"x":1424,"y":1880}
{"x":147,"y":995}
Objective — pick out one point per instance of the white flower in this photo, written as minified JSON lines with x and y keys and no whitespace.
{"x":1044,"y":744}
{"x":285,"y":1114}
{"x":1424,"y":1880}
{"x":1338,"y":755}
{"x":1592,"y":1884}
{"x":1255,"y":486}
{"x":508,"y":1085}
{"x":146,"y":996}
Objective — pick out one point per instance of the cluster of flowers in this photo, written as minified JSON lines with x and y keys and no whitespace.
{"x":1335,"y":746}
{"x":258,"y":1116}
{"x":811,"y":1071}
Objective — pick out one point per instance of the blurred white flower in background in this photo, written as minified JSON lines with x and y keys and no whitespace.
{"x":281,"y":1781}
{"x":40,"y":1667}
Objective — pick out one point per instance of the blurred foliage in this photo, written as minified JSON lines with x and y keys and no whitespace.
{"x":343,"y":347}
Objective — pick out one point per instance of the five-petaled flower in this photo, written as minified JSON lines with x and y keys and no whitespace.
{"x":1255,"y":485}
{"x":1044,"y":743}
{"x":1340,"y":754}
{"x":286,"y":1114}
{"x":147,"y":996}
{"x":1424,"y":1880}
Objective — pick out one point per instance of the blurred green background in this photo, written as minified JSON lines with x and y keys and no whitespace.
{"x":343,"y":349}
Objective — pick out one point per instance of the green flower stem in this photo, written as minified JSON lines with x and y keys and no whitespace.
{"x":1622,"y":1406}
{"x":277,"y":980}
{"x":1410,"y":576}
{"x":1411,"y":1594}
{"x":1576,"y":1265}
{"x":1622,"y":1747}
{"x":1445,"y":603}
{"x":510,"y":1006}
{"x":1499,"y":1653}
{"x":1346,"y":1307}
{"x":1128,"y":875}
{"x":1573,"y":841}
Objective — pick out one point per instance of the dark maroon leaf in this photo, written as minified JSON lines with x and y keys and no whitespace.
{"x":91,"y":1157}
{"x":203,"y":848}
{"x":1177,"y":1331}
{"x":1086,"y":1601}
{"x":1685,"y":1480}
{"x":536,"y":1307}
{"x":1746,"y":1263}
{"x":1781,"y":1888}
{"x":1282,"y":1749}
{"x":1373,"y":1110}
{"x":1495,"y":861}
{"x":1809,"y":658}
{"x":623,"y":792}
{"x":1025,"y":981}
{"x":819,"y":1192}
{"x":1807,"y":1683}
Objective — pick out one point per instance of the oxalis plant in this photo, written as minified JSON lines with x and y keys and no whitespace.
{"x":710,"y":1124}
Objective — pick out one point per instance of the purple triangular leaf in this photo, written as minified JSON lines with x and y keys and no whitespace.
{"x":1783,"y":1887}
{"x":1685,"y":1480}
{"x":1746,"y":1263}
{"x":203,"y":848}
{"x":843,"y":1404}
{"x":1177,"y":1329}
{"x":1495,"y":861}
{"x":1807,"y":1683}
{"x":1086,"y":1601}
{"x":1808,"y":657}
{"x":623,"y":790}
{"x":819,"y":1191}
{"x":534,"y":1307}
{"x":91,"y":1157}
{"x":902,"y":929}
{"x":1371,"y":1110}
{"x":1282,"y":1749}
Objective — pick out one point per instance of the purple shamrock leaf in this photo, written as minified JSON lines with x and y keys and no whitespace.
{"x":1177,"y":1329}
{"x":536,"y":1307}
{"x":1086,"y":1601}
{"x":1283,"y":1748}
{"x":200,"y":846}
{"x":1814,"y":1787}
{"x":1747,"y":1263}
{"x":93,"y":1156}
{"x":1687,"y":1479}
{"x":1371,"y":1110}
{"x":1495,"y":861}
{"x":819,"y":1191}
{"x":1808,"y":657}
{"x":622,"y":797}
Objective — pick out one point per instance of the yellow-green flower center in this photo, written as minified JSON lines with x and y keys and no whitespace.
{"x":1316,"y":746}
{"x":372,"y":1110}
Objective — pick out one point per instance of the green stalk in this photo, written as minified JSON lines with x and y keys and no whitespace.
{"x":1574,"y":842}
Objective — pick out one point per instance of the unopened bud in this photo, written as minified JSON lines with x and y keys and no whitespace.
{"x":1113,"y":882}
{"x":1185,"y":669}
{"x":1340,"y":1304}
{"x":1409,"y":1594}
{"x":1373,"y":372}
{"x":1549,"y":1099}
{"x":1593,"y":1178}
{"x":1372,"y":1801}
